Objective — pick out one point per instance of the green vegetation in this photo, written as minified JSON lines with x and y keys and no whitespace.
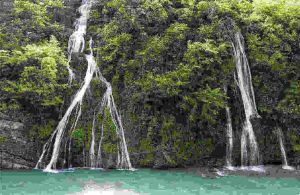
{"x":44,"y":131}
{"x":37,"y":11}
{"x":39,"y":81}
{"x":295,"y":141}
{"x":177,"y":55}
{"x":3,"y":139}
{"x":79,"y":136}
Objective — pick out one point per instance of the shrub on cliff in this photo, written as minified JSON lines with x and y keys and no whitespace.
{"x":39,"y":76}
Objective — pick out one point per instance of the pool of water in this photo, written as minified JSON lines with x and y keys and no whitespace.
{"x":139,"y":182}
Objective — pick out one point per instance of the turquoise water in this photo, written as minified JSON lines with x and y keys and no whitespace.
{"x":142,"y":181}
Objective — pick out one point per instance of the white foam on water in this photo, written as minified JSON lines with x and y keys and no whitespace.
{"x":286,"y":167}
{"x":231,"y":168}
{"x":93,"y":187}
{"x":259,"y":168}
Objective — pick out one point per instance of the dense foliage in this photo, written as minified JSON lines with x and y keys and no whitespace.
{"x":175,"y":57}
{"x":33,"y":64}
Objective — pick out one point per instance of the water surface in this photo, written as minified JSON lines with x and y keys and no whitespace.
{"x":139,"y":182}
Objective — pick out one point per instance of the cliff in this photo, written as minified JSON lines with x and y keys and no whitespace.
{"x":168,"y":63}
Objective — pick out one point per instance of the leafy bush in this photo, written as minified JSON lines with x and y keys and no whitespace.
{"x":40,"y":81}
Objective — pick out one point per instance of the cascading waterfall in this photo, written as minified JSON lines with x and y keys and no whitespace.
{"x":62,"y":124}
{"x":245,"y":84}
{"x":283,"y":154}
{"x":108,"y":102}
{"x":229,"y":135}
{"x":76,"y":44}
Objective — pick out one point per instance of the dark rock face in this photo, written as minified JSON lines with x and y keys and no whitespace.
{"x":6,"y":6}
{"x":67,"y":16}
{"x":17,"y":150}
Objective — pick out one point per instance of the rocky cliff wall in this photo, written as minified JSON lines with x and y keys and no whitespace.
{"x":17,"y":149}
{"x":143,"y":115}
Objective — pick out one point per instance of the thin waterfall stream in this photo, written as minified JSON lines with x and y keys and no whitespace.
{"x":75,"y":45}
{"x":283,"y":154}
{"x":229,"y":134}
{"x":108,"y":102}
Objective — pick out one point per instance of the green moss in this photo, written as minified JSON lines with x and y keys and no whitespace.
{"x":110,"y":148}
{"x":146,"y":146}
{"x":43,"y":131}
{"x":291,"y":99}
{"x":148,"y":159}
{"x":3,"y":139}
{"x":171,"y":161}
{"x":152,"y":124}
{"x":132,"y":116}
{"x":295,"y":141}
{"x":167,"y":125}
{"x":128,"y":78}
{"x":207,"y":143}
{"x":184,"y":150}
{"x":95,"y":14}
{"x":109,"y":128}
{"x":296,"y":148}
{"x":79,"y":136}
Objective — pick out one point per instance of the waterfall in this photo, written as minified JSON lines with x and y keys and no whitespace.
{"x":76,"y":41}
{"x":92,"y":149}
{"x":62,"y":124}
{"x":245,"y":84}
{"x":108,"y":101}
{"x":229,"y":135}
{"x":283,"y":154}
{"x":76,"y":44}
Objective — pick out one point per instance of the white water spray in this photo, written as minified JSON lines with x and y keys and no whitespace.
{"x":245,"y":84}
